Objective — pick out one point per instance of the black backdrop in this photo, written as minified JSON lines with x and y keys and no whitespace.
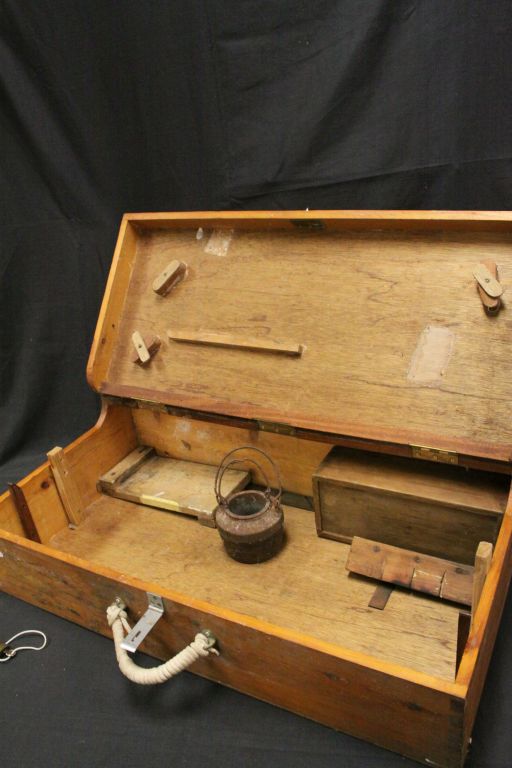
{"x":107,"y":107}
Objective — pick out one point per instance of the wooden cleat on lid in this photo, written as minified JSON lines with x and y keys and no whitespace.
{"x":145,"y":347}
{"x":489,"y":287}
{"x":171,"y":276}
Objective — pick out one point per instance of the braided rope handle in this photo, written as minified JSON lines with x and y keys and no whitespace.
{"x":201,"y":645}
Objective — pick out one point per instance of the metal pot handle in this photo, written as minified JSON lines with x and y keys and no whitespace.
{"x":224,"y":465}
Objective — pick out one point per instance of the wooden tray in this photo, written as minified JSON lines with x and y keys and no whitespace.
{"x":347,"y":298}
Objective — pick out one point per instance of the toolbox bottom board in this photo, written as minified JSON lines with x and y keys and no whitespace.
{"x":306,"y":588}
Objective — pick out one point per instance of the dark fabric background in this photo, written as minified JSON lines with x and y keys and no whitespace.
{"x":107,"y":107}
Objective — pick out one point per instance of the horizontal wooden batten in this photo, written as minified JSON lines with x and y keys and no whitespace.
{"x":231,"y":341}
{"x":394,"y":219}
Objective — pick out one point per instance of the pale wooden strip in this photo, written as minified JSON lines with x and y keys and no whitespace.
{"x":66,"y":485}
{"x":126,"y":466}
{"x":482,"y":564}
{"x":236,"y":342}
{"x":140,"y":347}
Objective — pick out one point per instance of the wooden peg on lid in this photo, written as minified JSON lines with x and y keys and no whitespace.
{"x":489,"y":287}
{"x":145,"y":347}
{"x":171,"y":276}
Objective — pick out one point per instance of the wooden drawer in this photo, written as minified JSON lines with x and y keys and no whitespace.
{"x":439,"y":510}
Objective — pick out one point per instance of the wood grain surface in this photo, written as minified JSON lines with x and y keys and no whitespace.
{"x":305,"y":588}
{"x":403,"y":567}
{"x":409,"y":712}
{"x":291,"y":285}
{"x":176,"y":485}
{"x":436,"y":509}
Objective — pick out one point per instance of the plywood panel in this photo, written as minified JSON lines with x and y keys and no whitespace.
{"x":305,"y":588}
{"x":360,"y":302}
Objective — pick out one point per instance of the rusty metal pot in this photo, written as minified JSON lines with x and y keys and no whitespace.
{"x":250,"y":523}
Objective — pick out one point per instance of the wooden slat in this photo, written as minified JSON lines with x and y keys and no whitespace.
{"x":125,"y":467}
{"x":24,"y":513}
{"x":231,"y":341}
{"x":66,"y":485}
{"x":463,"y":628}
{"x":490,"y":221}
{"x":432,"y":575}
{"x":483,"y":559}
{"x":380,"y":597}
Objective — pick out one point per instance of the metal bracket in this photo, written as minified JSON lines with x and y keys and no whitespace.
{"x":434,"y":454}
{"x":275,"y":427}
{"x":145,"y":624}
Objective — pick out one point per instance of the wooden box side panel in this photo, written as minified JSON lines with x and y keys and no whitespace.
{"x":107,"y":327}
{"x":441,"y":531}
{"x":478,"y":652}
{"x":478,"y":221}
{"x":99,"y":449}
{"x":404,"y":715}
{"x":9,"y":519}
{"x":86,"y":459}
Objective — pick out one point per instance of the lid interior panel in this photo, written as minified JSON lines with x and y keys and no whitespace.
{"x":395,"y":342}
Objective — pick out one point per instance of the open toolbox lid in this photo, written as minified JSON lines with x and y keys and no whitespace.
{"x":375,"y":324}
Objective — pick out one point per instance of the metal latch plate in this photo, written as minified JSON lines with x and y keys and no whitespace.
{"x":278,"y":429}
{"x":145,"y":624}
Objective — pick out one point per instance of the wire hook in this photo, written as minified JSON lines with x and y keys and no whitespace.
{"x":7,"y":651}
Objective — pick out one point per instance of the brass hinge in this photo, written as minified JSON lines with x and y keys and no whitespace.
{"x":278,"y":429}
{"x":434,"y":454}
{"x":132,"y":402}
{"x":150,"y":405}
{"x":313,"y":224}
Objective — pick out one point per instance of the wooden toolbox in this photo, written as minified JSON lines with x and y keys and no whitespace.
{"x":383,"y":334}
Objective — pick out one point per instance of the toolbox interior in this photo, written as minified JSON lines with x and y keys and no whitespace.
{"x":306,"y":588}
